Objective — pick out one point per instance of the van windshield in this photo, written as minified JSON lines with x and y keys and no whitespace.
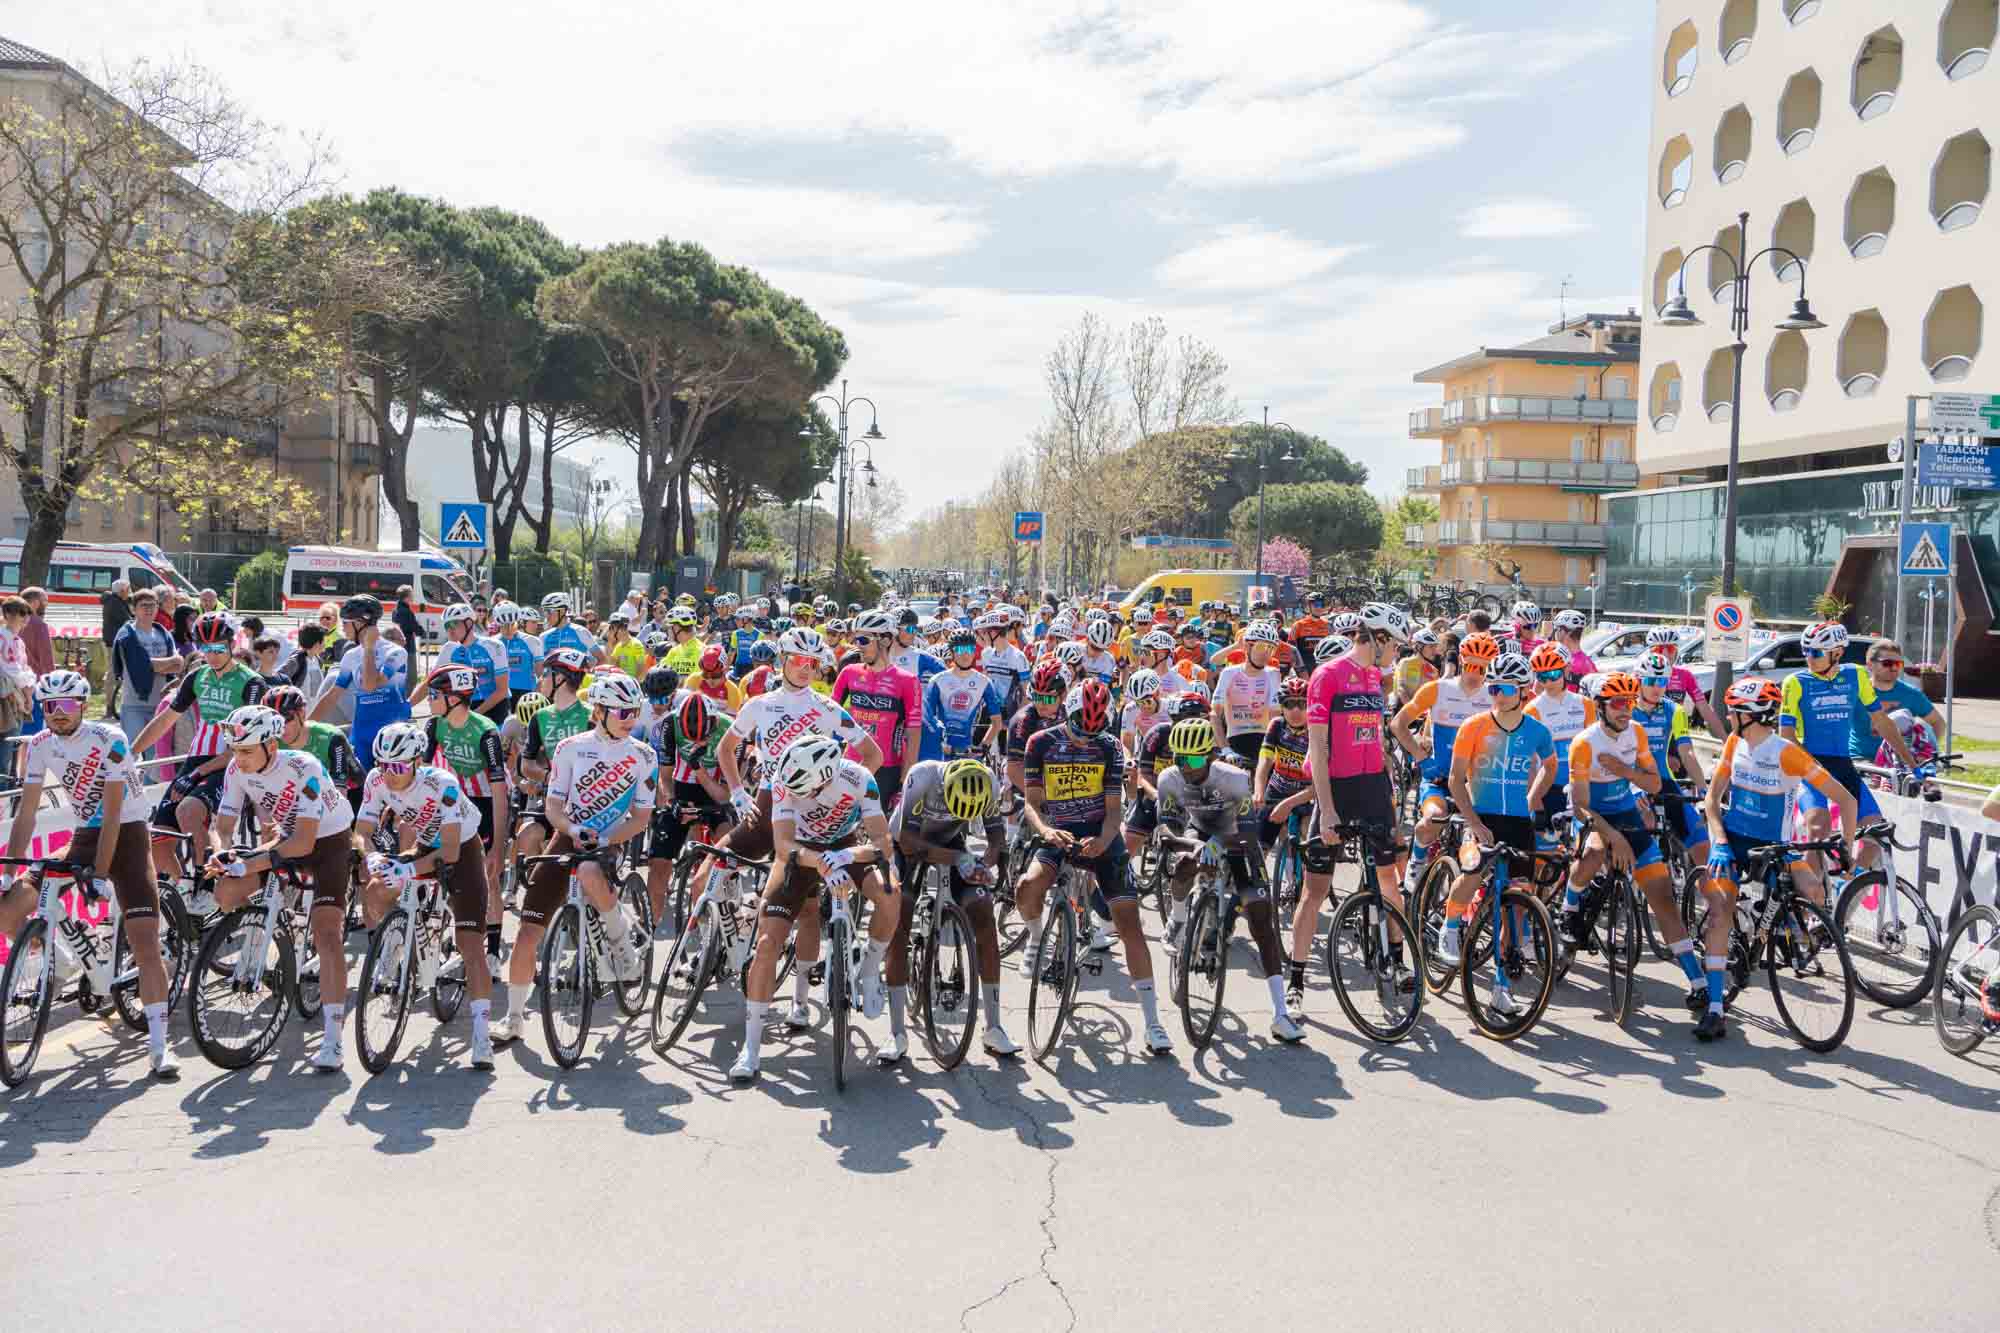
{"x":442,"y":587}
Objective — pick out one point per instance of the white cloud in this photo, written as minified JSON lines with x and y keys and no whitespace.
{"x":1249,"y":257}
{"x":1520,"y":218}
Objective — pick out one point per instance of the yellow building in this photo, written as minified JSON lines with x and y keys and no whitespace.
{"x":1530,"y":437}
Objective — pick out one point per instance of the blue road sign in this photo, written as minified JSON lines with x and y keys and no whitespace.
{"x":1924,"y":551}
{"x":1972,"y":467}
{"x":462,"y":525}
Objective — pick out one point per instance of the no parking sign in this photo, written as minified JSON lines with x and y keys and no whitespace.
{"x":1728,"y":629}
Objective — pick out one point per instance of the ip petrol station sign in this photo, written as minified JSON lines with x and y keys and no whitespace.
{"x":1027,"y":526}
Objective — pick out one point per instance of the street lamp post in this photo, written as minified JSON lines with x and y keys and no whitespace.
{"x":1263,"y":454}
{"x":1678,"y":315}
{"x":874,"y":432}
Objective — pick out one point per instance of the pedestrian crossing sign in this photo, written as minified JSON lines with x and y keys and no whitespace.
{"x":463,"y":525}
{"x":1925,"y":551}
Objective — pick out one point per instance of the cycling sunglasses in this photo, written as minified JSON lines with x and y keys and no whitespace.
{"x":1557,"y":674}
{"x":1046,"y":698}
{"x":396,"y":768}
{"x":66,"y":707}
{"x":1195,"y":761}
{"x":622,"y":714}
{"x":1891,"y":663}
{"x":1292,"y":703}
{"x":1502,"y":689}
{"x":1659,"y":682}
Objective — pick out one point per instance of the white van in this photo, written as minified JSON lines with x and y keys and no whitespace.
{"x":316,"y":574}
{"x":80,"y":572}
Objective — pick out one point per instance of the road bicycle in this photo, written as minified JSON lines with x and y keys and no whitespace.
{"x":846,"y":953}
{"x":406,"y":954}
{"x":1058,"y":958}
{"x":714,"y":944}
{"x":1288,"y":871}
{"x":1891,"y":932}
{"x":1608,"y":925}
{"x":1507,"y":937}
{"x":1687,"y":874}
{"x":247,"y":972}
{"x":1201,"y":963}
{"x":575,"y":968}
{"x":1804,"y":957}
{"x":55,"y":934}
{"x":1966,"y":1004}
{"x":944,"y":966}
{"x":1364,"y":946}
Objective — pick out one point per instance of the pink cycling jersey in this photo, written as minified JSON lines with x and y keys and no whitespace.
{"x":883,"y":701}
{"x":1681,"y":681}
{"x":1346,"y":698}
{"x":1581,"y":665}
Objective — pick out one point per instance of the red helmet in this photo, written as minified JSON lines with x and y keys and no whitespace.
{"x":1048,"y":677}
{"x":711,"y":660}
{"x":1293,"y":690}
{"x":1089,"y":706}
{"x":696,"y":717}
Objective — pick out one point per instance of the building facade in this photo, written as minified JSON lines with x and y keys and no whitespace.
{"x":1530,"y":437}
{"x":1858,"y":140}
{"x":440,"y":468}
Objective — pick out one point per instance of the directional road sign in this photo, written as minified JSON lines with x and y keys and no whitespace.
{"x":463,"y":525}
{"x":1978,"y":413}
{"x":1924,"y":551}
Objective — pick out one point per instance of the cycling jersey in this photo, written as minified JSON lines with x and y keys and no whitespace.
{"x":1076,"y":773}
{"x":472,"y":752}
{"x":524,"y":661}
{"x":1217,"y":807}
{"x":291,"y":787}
{"x":569,"y":634}
{"x":1411,"y":674}
{"x":1104,"y":666}
{"x":923,"y":801}
{"x":600,"y":780}
{"x":214,"y":695}
{"x":780,"y":716}
{"x":630,"y":657}
{"x":433,"y":799}
{"x":1133,"y":722}
{"x":487,"y":657}
{"x":690,"y":760}
{"x":1248,"y":695}
{"x":1152,"y":756}
{"x":81,"y":763}
{"x":720,"y":689}
{"x":1609,"y":793}
{"x":1345,"y":697}
{"x":1286,"y":747}
{"x":1821,"y":712}
{"x":736,"y":645}
{"x":554,"y":725}
{"x":328,"y":744}
{"x":1761,"y":779}
{"x":832,"y":814}
{"x":1007,"y":667}
{"x":917,"y":662}
{"x":1026,"y":724}
{"x":1565,"y":715}
{"x":685,"y":656}
{"x":1501,"y":763}
{"x":957,"y":706}
{"x":1666,"y":731}
{"x":759,"y":681}
{"x":1581,"y":665}
{"x":1449,"y":706}
{"x":377,"y":708}
{"x":1863,"y":743}
{"x":882,"y":700}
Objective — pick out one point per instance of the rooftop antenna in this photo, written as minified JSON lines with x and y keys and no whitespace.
{"x":1562,"y":300}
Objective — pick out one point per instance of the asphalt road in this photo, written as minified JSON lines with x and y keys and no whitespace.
{"x":1580,"y":1177}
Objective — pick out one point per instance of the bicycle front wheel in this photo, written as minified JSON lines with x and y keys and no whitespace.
{"x":388,"y":976}
{"x":1618,"y":933}
{"x":1378,"y":991}
{"x":305,"y":979}
{"x":838,"y":999}
{"x":1432,"y":891}
{"x":1052,"y":981}
{"x":1203,"y":965}
{"x":243,"y":981}
{"x":448,"y":990}
{"x":1891,"y":937}
{"x":28,"y":988}
{"x":1811,"y":976}
{"x":1968,"y":982}
{"x":1509,"y":950}
{"x":174,"y":956}
{"x":948,"y":985}
{"x":639,"y":906}
{"x":690,"y":967}
{"x":567,"y":986}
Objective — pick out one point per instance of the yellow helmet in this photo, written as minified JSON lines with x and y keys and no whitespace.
{"x":1191,"y":735}
{"x":968,"y":789}
{"x":530,"y":704}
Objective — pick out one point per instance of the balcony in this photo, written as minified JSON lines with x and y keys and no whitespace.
{"x":1475,"y":532}
{"x":1570,"y":476}
{"x":1513,"y":407}
{"x":1426,"y":421}
{"x":1422,"y":479}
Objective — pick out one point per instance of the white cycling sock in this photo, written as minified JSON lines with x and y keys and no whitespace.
{"x":1277,"y":985}
{"x":482,"y":1018}
{"x":1148,"y":1001}
{"x":156,"y":1028}
{"x":877,"y":951}
{"x":802,"y":987}
{"x":899,"y":1008}
{"x":1034,"y":938}
{"x":517,"y":999}
{"x":990,"y":992}
{"x":335,"y":1014}
{"x":755,"y":1012}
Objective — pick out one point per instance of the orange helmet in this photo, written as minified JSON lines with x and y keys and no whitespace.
{"x":1618,"y":686}
{"x":1478,"y":650}
{"x":1548,"y":657}
{"x":1760,"y":699}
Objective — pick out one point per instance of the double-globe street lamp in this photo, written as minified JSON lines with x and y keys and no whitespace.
{"x":1265,"y":453}
{"x":874,"y":432}
{"x":1677,"y":315}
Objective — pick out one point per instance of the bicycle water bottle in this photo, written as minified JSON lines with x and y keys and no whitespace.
{"x":427,"y":971}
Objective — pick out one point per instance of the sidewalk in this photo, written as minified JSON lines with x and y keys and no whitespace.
{"x":1975,"y":719}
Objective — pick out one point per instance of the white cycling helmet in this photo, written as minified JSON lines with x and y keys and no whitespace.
{"x":1570,"y":622}
{"x":1663,"y":636}
{"x":1332,"y":646}
{"x":253,"y":724}
{"x":1064,"y":625}
{"x":1382,"y":616}
{"x":1589,"y":685}
{"x":1260,"y":631}
{"x":555,"y":601}
{"x":1158,"y":641}
{"x":1652,"y":664}
{"x":1142,"y":684}
{"x":875,"y":621}
{"x":401,"y":743}
{"x":1100,"y":632}
{"x":1828,"y":636}
{"x":1510,"y":669}
{"x":1424,"y":637}
{"x":1345,"y":623}
{"x":1142,"y":615}
{"x":458,"y":613}
{"x":802,"y":641}
{"x":1526,"y":613}
{"x":990,"y":620}
{"x":808,"y":764}
{"x":681,"y":616}
{"x":61,"y":684}
{"x":1071,"y":655}
{"x":506,"y":614}
{"x":613,"y":689}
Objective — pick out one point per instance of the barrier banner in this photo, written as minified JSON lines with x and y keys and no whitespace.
{"x":1956,"y":864}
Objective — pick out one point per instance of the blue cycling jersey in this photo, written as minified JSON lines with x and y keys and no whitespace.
{"x":570,"y":635}
{"x":956,"y":706}
{"x":1863,"y":742}
{"x":1822,"y":712}
{"x":524,"y":660}
{"x":487,"y":657}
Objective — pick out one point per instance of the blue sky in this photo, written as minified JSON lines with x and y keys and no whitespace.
{"x":1334,"y":195}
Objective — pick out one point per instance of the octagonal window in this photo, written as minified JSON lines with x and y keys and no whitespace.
{"x":1785,"y":370}
{"x":1966,"y":35}
{"x":1952,"y":333}
{"x":1960,"y":179}
{"x":1798,"y":112}
{"x":1683,"y":50}
{"x":1663,"y":396}
{"x":1871,"y":212}
{"x":1715,"y":382}
{"x":1676,"y":171}
{"x":1863,"y":356}
{"x":1793,"y":231}
{"x":1732,"y":143}
{"x":1798,"y":11}
{"x":1878,"y":72}
{"x":1722,"y":264}
{"x":1666,"y":278}
{"x":1739,"y":25}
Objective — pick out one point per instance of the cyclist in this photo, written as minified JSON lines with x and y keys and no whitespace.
{"x":1756,"y":777}
{"x":822,"y":807}
{"x":942,"y":801}
{"x":1072,"y":778}
{"x":1046,"y":685}
{"x":1311,"y":627}
{"x":435,"y":823}
{"x":1246,"y":693}
{"x":600,"y":795}
{"x":660,"y":686}
{"x":763,"y":668}
{"x":374,"y":670}
{"x":524,"y":651}
{"x":1682,"y":687}
{"x":685,"y":655}
{"x":302,"y":818}
{"x":713,"y":680}
{"x":1527,"y":618}
{"x":1151,"y":758}
{"x":1424,"y":664}
{"x":484,"y":655}
{"x":1098,"y":659}
{"x":1144,"y":708}
{"x":1282,"y":785}
{"x":1824,"y":708}
{"x":1671,"y":740}
{"x":321,"y":740}
{"x":467,"y":745}
{"x":624,"y":651}
{"x":1564,"y":713}
{"x":909,"y":653}
{"x":961,"y":707}
{"x":737,"y":642}
{"x":563,"y":632}
{"x":688,"y":738}
{"x":1566,"y":632}
{"x":883,"y":699}
{"x":1502,"y":762}
{"x":94,"y":766}
{"x":563,"y":716}
{"x":215,"y":690}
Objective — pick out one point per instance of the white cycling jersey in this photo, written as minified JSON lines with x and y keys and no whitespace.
{"x":291,"y":787}
{"x":600,"y":781}
{"x":433,"y":798}
{"x":81,"y":763}
{"x":1248,"y":696}
{"x":776,"y":718}
{"x":832,"y":813}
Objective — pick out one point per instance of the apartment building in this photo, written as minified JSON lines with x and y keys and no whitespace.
{"x":1530,"y":437}
{"x":1858,"y":140}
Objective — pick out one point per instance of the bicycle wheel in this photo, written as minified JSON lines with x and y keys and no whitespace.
{"x":1365,"y":945}
{"x":948,"y":985}
{"x":1891,"y":937}
{"x":243,"y":986}
{"x":690,"y":967}
{"x":567,"y":986}
{"x":305,"y":979}
{"x":1284,"y":902}
{"x":1811,"y":976}
{"x":1515,"y":964}
{"x":1052,"y":980}
{"x":639,"y":904}
{"x":177,"y":921}
{"x":173,"y":956}
{"x":838,"y":998}
{"x":448,"y":990}
{"x":388,"y":976}
{"x":28,"y":987}
{"x":1968,"y":980}
{"x":1013,"y":931}
{"x":1203,"y":968}
{"x":1618,"y":934}
{"x":1432,"y":890}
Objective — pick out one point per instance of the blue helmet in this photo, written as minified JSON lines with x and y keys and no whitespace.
{"x":763,"y":652}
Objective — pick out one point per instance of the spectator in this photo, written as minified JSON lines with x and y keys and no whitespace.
{"x":144,"y":658}
{"x":116,"y":605}
{"x":264,"y":659}
{"x":253,"y":629}
{"x":182,"y":619}
{"x":209,"y":601}
{"x":304,"y":667}
{"x":405,"y":616}
{"x":17,"y":680}
{"x":40,"y":647}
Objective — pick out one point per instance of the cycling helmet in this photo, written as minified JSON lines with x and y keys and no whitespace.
{"x":1653,"y":664}
{"x":686,"y":599}
{"x":1424,"y":638}
{"x":284,"y":701}
{"x":365,"y":609}
{"x":660,"y":683}
{"x":252,"y":724}
{"x":696,"y":715}
{"x":1663,"y":636}
{"x":1190,"y":703}
{"x":1142,"y":684}
{"x":711,"y":660}
{"x":1142,"y":615}
{"x":1618,"y":687}
{"x":401,"y":743}
{"x":1100,"y":633}
{"x":1332,"y":646}
{"x":1570,"y":622}
{"x":1510,"y":669}
{"x":929,"y":627}
{"x":1526,"y":613}
{"x":458,"y":613}
{"x":531,"y":703}
{"x":213,"y":630}
{"x":1191,"y":736}
{"x":1047,"y":678}
{"x":61,"y":685}
{"x":612,"y":689}
{"x":837,"y":627}
{"x":1478,"y":650}
{"x":459,"y":680}
{"x":724,"y":601}
{"x":658,"y":644}
{"x":681,"y":617}
{"x":1088,"y":706}
{"x":1757,"y":700}
{"x":968,"y":789}
{"x":808,"y":764}
{"x":853,"y":608}
{"x":1292,"y":690}
{"x":906,"y":617}
{"x":803,"y":641}
{"x":567,"y":663}
{"x":1159,"y":641}
{"x":1064,"y":625}
{"x":874,"y":621}
{"x":1590,"y":684}
{"x":555,"y":601}
{"x":962,"y":640}
{"x":1382,"y":616}
{"x":1548,"y":657}
{"x":763,"y":652}
{"x":1071,"y":655}
{"x":506,"y":614}
{"x":1260,"y":631}
{"x":991,"y":620}
{"x":1345,"y":623}
{"x":621,"y":616}
{"x":1828,"y":637}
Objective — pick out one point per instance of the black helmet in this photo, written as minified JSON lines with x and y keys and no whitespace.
{"x":1190,"y":705}
{"x":366,"y":608}
{"x":660,"y":683}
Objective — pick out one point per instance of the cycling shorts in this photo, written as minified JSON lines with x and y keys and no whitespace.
{"x":207,"y":789}
{"x":1247,"y":746}
{"x":1515,"y":831}
{"x":909,"y":867}
{"x":1847,"y":775}
{"x":889,"y":785}
{"x":1108,"y":867}
{"x":1434,"y":791}
{"x":801,"y":882}
{"x":668,"y":833}
{"x":1694,"y":829}
{"x":1645,"y":849}
{"x":1314,"y":854}
{"x":548,"y":887}
{"x":1739,"y":847}
{"x":1365,"y":798}
{"x":131,"y":874}
{"x":1143,"y":816}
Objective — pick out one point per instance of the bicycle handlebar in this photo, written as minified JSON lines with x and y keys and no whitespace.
{"x":724,"y":854}
{"x":47,"y":865}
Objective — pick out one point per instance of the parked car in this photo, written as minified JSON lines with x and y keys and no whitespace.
{"x":1618,"y":649}
{"x":1777,"y":659}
